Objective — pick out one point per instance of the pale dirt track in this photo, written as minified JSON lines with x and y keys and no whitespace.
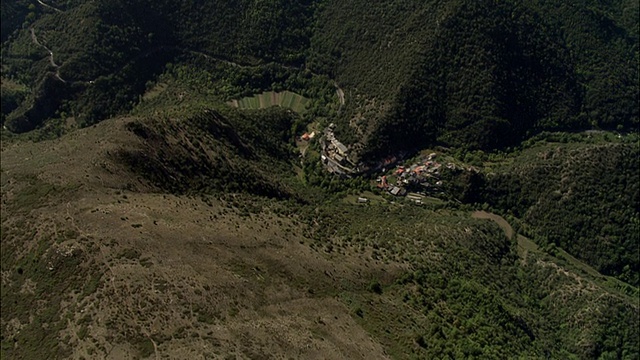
{"x":504,"y":225}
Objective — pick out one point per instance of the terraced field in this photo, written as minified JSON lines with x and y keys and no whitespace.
{"x":285,"y":99}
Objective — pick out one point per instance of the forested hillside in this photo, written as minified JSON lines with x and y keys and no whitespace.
{"x":471,"y":291}
{"x":580,"y":197}
{"x":474,"y":74}
{"x":104,"y":53}
{"x":196,"y":218}
{"x":492,"y":75}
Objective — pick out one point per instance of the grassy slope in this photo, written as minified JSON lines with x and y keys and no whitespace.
{"x":191,"y":275}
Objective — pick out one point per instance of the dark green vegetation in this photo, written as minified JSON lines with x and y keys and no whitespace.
{"x":493,"y":73}
{"x":176,"y":223}
{"x":14,"y":14}
{"x":581,"y":197}
{"x":104,"y":53}
{"x":479,"y":74}
{"x":467,"y":293}
{"x":461,"y":73}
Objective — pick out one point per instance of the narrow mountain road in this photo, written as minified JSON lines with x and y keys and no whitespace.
{"x":524,"y":244}
{"x":56,"y":66}
{"x":35,"y":40}
{"x":49,"y":6}
{"x":340,"y":94}
{"x":231,"y":63}
{"x":504,"y":225}
{"x":339,"y":91}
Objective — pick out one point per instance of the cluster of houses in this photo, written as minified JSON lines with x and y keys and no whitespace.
{"x":423,"y":176}
{"x":335,"y":155}
{"x":413,"y":181}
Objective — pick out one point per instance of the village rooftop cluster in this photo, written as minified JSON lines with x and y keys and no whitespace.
{"x":421,"y":177}
{"x":335,"y":154}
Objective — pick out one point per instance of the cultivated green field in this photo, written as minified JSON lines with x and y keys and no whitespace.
{"x":285,"y":99}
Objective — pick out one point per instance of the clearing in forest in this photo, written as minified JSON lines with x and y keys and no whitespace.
{"x":285,"y":99}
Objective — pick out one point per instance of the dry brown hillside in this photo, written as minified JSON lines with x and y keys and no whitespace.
{"x":122,"y":272}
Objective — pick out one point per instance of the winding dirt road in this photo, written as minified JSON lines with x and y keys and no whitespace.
{"x":49,"y":6}
{"x":35,"y":40}
{"x":524,"y":244}
{"x":340,"y":94}
{"x":504,"y":225}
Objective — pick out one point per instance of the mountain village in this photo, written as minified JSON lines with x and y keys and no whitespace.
{"x":415,"y":181}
